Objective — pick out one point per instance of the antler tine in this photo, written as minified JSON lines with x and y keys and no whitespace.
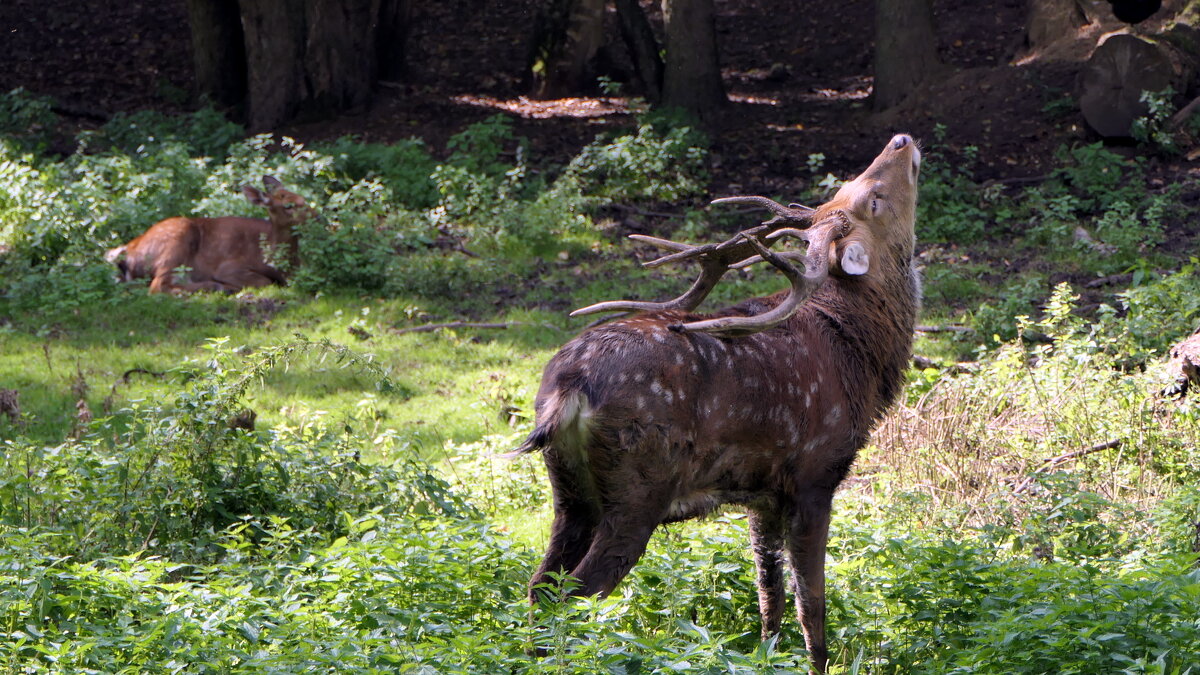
{"x":816,"y":271}
{"x":715,"y":261}
{"x":792,"y":213}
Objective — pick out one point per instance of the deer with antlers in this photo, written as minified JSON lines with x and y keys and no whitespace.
{"x":220,"y":254}
{"x":667,"y":415}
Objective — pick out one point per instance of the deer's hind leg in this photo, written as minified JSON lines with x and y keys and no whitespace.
{"x":576,"y":514}
{"x":766,"y":542}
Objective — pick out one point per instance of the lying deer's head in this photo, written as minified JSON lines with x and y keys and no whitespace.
{"x":286,"y":208}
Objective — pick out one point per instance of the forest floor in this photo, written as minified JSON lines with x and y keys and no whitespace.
{"x":797,"y":74}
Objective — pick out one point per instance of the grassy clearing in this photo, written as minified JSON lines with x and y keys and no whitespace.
{"x":368,"y":524}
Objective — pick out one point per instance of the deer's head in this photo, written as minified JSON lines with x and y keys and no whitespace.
{"x":286,"y":208}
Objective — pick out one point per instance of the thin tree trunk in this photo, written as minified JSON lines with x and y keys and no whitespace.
{"x":905,"y":49}
{"x":692,"y":78}
{"x":217,"y":50}
{"x":643,"y":48}
{"x":567,"y":38}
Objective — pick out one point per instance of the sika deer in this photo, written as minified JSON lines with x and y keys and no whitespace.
{"x":667,"y":415}
{"x":222,"y":254}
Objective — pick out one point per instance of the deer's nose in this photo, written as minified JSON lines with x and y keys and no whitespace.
{"x":900,"y":141}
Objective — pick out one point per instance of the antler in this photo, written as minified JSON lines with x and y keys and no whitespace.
{"x":816,"y":271}
{"x":743,"y":249}
{"x":715,"y":260}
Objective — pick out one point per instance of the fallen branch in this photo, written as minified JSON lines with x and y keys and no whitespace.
{"x":1179,"y":118}
{"x":1110,"y":280}
{"x":944,"y":329}
{"x":924,"y":362}
{"x":430,"y":327}
{"x":1052,"y":463}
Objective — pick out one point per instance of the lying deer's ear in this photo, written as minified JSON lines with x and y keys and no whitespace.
{"x":255,"y":196}
{"x":271,"y":183}
{"x":855,"y":259}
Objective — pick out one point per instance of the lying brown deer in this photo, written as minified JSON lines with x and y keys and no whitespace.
{"x":220,"y":254}
{"x":667,"y":415}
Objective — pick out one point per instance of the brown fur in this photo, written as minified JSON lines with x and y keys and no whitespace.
{"x":222,"y":254}
{"x":642,"y":425}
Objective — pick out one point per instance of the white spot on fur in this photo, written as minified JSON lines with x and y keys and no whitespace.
{"x":833,"y":416}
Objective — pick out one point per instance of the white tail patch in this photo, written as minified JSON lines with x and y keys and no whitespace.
{"x":574,"y":413}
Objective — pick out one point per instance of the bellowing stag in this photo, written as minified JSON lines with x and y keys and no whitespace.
{"x":667,"y":415}
{"x":220,"y":254}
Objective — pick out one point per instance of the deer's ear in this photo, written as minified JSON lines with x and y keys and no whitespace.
{"x":855,"y":259}
{"x":255,"y":196}
{"x":271,"y":183}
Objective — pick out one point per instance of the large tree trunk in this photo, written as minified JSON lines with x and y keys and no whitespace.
{"x":395,"y":20}
{"x":217,"y":50}
{"x":275,"y":34}
{"x":643,"y":48}
{"x":567,"y":38}
{"x":692,"y":80}
{"x":905,"y":49}
{"x":287,"y":58}
{"x":341,"y":63}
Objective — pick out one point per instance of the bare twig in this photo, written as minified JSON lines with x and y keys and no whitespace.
{"x":1052,"y":463}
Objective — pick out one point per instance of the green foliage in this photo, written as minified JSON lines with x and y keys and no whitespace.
{"x":1153,"y":128}
{"x":26,"y":121}
{"x":950,"y":207}
{"x":205,"y":133}
{"x":998,"y":320}
{"x":646,"y":165}
{"x":404,"y":167}
{"x":170,"y":477}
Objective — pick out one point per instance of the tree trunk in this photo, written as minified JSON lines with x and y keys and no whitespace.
{"x":1048,"y":21}
{"x":643,"y":48}
{"x":905,"y":49}
{"x":692,"y":79}
{"x":567,"y":38}
{"x":341,"y":64}
{"x":275,"y":33}
{"x":309,"y":58}
{"x":217,"y":50}
{"x":395,"y":19}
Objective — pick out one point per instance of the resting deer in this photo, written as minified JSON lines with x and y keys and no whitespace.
{"x":221,"y":254}
{"x":667,"y":415}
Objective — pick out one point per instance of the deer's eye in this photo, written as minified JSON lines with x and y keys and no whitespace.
{"x":874,"y":206}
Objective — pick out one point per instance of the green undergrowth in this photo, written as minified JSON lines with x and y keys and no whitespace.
{"x":1031,"y":509}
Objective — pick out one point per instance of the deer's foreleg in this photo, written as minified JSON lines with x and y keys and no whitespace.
{"x":808,"y":533}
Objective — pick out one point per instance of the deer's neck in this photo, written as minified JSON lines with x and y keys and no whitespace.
{"x":283,"y":236}
{"x":874,"y":322}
